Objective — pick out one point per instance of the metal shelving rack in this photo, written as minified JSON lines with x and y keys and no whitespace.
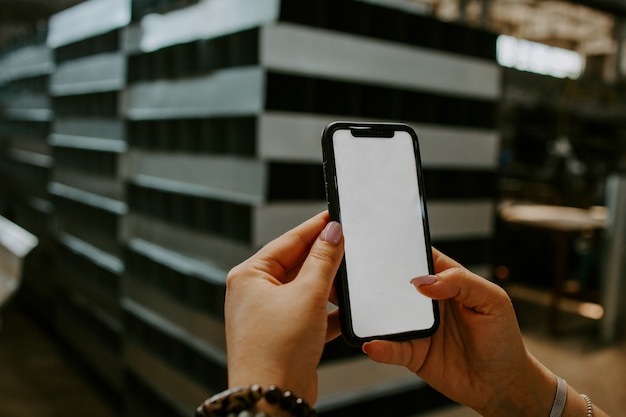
{"x":87,"y":182}
{"x":224,"y":116}
{"x":25,"y":158}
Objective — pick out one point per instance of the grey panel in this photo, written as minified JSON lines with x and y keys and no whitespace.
{"x":360,"y":379}
{"x":207,"y":19}
{"x":461,"y":219}
{"x":202,"y":252}
{"x":238,"y":91}
{"x":89,"y":198}
{"x":110,"y":188}
{"x":31,"y":158}
{"x":96,"y":73}
{"x":28,"y":105}
{"x":272,"y":220}
{"x":226,"y":178}
{"x":88,"y":143}
{"x":87,"y":19}
{"x":26,"y":62}
{"x":199,"y":325}
{"x":449,"y":220}
{"x":104,"y":260}
{"x":89,"y":127}
{"x":302,"y":50}
{"x":173,"y":330}
{"x":171,"y":385}
{"x":296,"y":137}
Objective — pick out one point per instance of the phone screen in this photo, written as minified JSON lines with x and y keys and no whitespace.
{"x":381,"y":208}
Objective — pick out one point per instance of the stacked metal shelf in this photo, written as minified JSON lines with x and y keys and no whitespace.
{"x":186,"y":134}
{"x":225,"y":104}
{"x":25,"y":157}
{"x":87,"y":183}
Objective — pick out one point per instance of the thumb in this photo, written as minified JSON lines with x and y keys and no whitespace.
{"x":324,"y":258}
{"x":466,"y":288}
{"x":410,"y":353}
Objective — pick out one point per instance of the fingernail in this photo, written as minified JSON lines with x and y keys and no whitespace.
{"x":424,"y":280}
{"x":332,"y":233}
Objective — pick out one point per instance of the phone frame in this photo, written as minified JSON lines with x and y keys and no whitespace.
{"x":370,"y":129}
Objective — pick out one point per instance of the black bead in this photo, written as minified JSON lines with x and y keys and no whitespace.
{"x":288,"y":401}
{"x":256,"y":392}
{"x":273,"y":394}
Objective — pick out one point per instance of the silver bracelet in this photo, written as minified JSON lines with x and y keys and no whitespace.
{"x":589,"y":405}
{"x":560,"y":398}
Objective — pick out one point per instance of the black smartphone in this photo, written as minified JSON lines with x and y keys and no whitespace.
{"x":374,"y":188}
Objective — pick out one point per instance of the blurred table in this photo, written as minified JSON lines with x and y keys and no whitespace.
{"x":560,"y":222}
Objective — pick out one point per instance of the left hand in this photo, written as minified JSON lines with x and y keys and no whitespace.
{"x":277,"y":320}
{"x":477,"y":356}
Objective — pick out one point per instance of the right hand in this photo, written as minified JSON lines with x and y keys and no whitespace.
{"x":477,"y":356}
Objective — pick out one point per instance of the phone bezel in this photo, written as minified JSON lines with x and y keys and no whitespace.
{"x":370,"y":129}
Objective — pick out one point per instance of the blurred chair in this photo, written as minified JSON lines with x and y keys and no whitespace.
{"x":15,"y":244}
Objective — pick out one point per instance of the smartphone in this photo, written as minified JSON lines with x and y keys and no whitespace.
{"x":374,"y":188}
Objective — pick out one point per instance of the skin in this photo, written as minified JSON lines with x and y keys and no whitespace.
{"x":277,"y":323}
{"x":276,"y":310}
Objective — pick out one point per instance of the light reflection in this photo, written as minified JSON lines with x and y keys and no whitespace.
{"x":538,"y":58}
{"x":591,"y":311}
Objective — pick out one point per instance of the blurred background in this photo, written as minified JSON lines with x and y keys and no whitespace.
{"x":147,"y":146}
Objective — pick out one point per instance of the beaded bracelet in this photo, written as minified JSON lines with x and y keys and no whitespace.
{"x":236,"y":400}
{"x":589,"y":406}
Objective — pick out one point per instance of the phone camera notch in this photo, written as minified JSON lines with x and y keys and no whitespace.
{"x":371,"y":132}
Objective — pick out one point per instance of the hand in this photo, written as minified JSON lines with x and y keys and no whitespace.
{"x":477,"y":356}
{"x":277,"y":320}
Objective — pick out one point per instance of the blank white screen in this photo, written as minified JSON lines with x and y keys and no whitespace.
{"x":381,"y":215}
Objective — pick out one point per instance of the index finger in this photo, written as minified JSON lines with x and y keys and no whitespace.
{"x":287,"y":251}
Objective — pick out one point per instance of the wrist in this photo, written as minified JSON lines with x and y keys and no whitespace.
{"x":577,"y":405}
{"x":260,"y":373}
{"x":530,"y":393}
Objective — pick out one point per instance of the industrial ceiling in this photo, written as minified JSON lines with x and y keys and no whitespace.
{"x":566,"y":24}
{"x":569,"y":24}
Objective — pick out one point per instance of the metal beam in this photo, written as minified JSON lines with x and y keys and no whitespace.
{"x":29,"y":11}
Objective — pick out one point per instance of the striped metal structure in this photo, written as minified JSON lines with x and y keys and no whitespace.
{"x":25,"y":158}
{"x":186,"y":134}
{"x":87,"y":181}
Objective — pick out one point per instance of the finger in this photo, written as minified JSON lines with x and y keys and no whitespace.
{"x":333,"y":330}
{"x":286,"y":252}
{"x":442,"y":262}
{"x":333,"y":296}
{"x":410,"y":353}
{"x":468,"y":289}
{"x":321,"y":265}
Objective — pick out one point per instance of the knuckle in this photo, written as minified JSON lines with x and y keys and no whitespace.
{"x":234,"y":275}
{"x":323,"y":254}
{"x":240,"y":272}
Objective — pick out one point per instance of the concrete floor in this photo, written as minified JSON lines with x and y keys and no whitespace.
{"x":39,"y":378}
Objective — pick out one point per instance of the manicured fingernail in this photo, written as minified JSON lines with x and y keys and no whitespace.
{"x":424,"y":280}
{"x":332,"y":233}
